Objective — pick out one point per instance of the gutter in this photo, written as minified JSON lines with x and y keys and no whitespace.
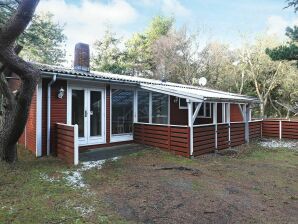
{"x":88,"y":78}
{"x":49,"y":113}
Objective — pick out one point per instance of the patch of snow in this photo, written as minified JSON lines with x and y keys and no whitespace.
{"x":279,"y":144}
{"x":46,"y":177}
{"x":74,"y":178}
{"x":85,"y":211}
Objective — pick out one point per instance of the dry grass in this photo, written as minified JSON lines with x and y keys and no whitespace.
{"x":255,"y":185}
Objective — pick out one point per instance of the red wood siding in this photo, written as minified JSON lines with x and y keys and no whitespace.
{"x":204,"y":140}
{"x":177,"y":116}
{"x":173,"y":139}
{"x":58,"y":111}
{"x":222,"y":136}
{"x":270,"y":128}
{"x":65,"y":142}
{"x":236,"y":115}
{"x":255,"y":129}
{"x":237,"y":134}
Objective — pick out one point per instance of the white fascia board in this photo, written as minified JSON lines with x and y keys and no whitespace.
{"x":168,"y":91}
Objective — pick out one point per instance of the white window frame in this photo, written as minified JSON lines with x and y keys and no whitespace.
{"x":205,"y":111}
{"x":182,"y":107}
{"x":124,"y":136}
{"x":87,"y":87}
{"x":150,"y":108}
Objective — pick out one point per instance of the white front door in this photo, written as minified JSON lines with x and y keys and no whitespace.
{"x":87,"y":111}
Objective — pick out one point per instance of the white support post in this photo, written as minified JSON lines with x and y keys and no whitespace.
{"x":190,"y":124}
{"x":150,"y":108}
{"x":76,"y":145}
{"x":223,"y":113}
{"x":194,"y":116}
{"x":280,"y":130}
{"x":246,"y":113}
{"x":228,"y":115}
{"x":135,"y":107}
{"x":215,"y":122}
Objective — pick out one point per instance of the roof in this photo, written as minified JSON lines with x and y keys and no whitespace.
{"x":190,"y":92}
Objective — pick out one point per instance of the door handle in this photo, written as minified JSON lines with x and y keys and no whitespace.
{"x":86,"y":113}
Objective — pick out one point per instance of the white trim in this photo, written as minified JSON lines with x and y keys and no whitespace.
{"x":169,"y":109}
{"x":76,"y":145}
{"x":246,"y":121}
{"x":121,"y":138}
{"x":124,"y":136}
{"x":190,"y":124}
{"x":182,"y":107}
{"x":205,"y":111}
{"x":228,"y":116}
{"x":202,"y":125}
{"x":87,"y":139}
{"x":49,"y":114}
{"x":166,"y":125}
{"x":215,"y":123}
{"x":39,"y":119}
{"x":150,"y":107}
{"x":195,"y":115}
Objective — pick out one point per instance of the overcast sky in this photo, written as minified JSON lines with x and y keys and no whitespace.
{"x":223,"y":20}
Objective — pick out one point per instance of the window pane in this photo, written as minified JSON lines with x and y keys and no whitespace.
{"x":122,"y":111}
{"x":208,"y":109}
{"x":182,"y":103}
{"x":159,"y":108}
{"x":143,"y":106}
{"x":95,"y":113}
{"x":78,"y":110}
{"x":201,"y":111}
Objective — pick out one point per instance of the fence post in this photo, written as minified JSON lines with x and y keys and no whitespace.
{"x":280,"y":129}
{"x":76,"y":146}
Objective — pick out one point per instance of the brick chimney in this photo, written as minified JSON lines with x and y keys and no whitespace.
{"x":82,"y":57}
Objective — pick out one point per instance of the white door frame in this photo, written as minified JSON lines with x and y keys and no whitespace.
{"x":88,"y":140}
{"x":125,"y":136}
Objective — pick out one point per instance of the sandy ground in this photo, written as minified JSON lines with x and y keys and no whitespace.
{"x":253,"y":186}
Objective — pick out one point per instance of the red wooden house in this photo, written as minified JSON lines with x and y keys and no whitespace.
{"x":75,"y":110}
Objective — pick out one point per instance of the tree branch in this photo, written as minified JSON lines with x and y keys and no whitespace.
{"x":18,"y":23}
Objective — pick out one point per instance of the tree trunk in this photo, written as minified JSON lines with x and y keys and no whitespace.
{"x":262,"y":109}
{"x":15,"y":106}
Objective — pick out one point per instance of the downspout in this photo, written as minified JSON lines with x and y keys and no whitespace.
{"x":49,"y":114}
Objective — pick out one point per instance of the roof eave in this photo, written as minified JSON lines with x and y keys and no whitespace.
{"x":86,"y":78}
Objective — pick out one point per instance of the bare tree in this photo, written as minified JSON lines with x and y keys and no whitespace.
{"x":15,"y":106}
{"x":178,"y":56}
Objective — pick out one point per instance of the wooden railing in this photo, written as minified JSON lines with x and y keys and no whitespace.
{"x":280,"y":129}
{"x":67,"y":143}
{"x":203,"y":139}
{"x":172,"y":138}
{"x":255,"y":129}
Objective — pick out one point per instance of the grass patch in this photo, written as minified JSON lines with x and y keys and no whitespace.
{"x":34,"y":191}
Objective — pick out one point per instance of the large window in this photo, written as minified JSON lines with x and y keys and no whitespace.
{"x":143,"y":106}
{"x":205,"y":110}
{"x":122,"y":111}
{"x":153,"y":107}
{"x":160,"y":108}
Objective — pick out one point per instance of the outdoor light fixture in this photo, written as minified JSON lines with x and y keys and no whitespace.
{"x":176,"y":99}
{"x":61,"y":93}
